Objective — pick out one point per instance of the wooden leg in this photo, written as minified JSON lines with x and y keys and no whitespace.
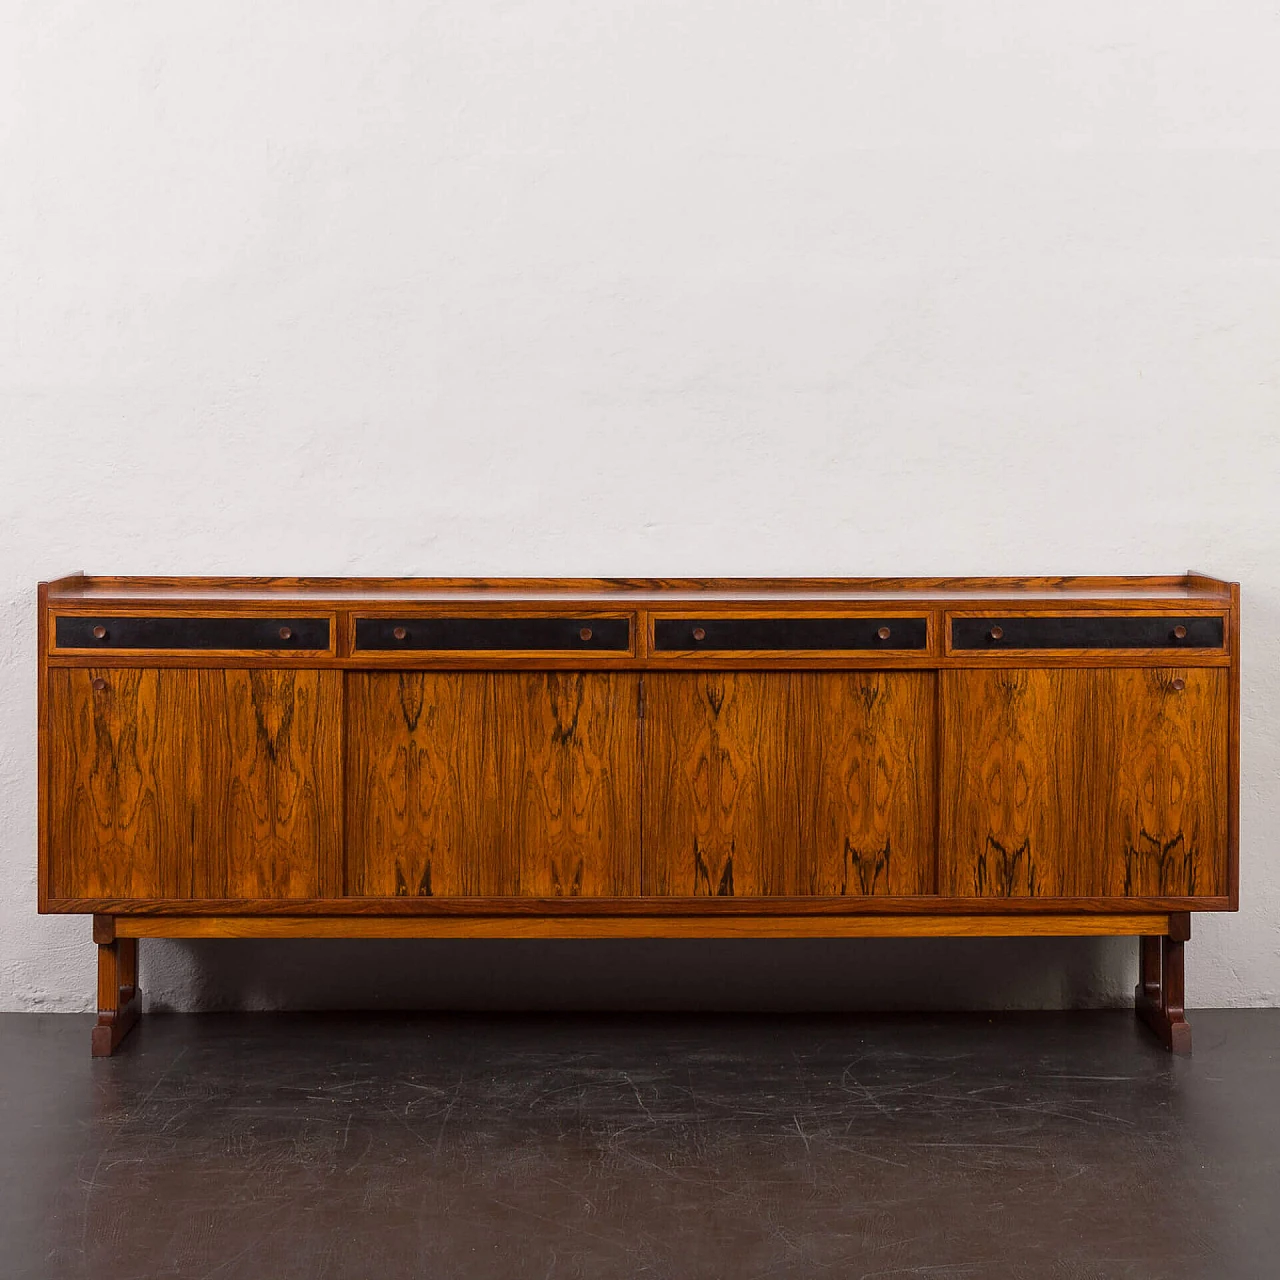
{"x":119,"y":1000}
{"x":1160,"y":993}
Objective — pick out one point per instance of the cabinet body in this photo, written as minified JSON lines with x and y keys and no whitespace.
{"x":473,"y":750}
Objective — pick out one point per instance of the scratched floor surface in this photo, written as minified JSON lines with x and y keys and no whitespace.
{"x":327,"y":1147}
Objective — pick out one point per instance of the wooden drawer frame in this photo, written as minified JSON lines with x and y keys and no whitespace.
{"x":177,"y":655}
{"x":732,"y":659}
{"x":1089,"y":655}
{"x":587,"y":658}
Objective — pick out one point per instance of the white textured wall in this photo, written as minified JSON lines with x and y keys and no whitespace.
{"x":590,"y":287}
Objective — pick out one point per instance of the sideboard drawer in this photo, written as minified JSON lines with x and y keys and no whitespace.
{"x":158,"y":633}
{"x":693,"y":635}
{"x":994,"y":634}
{"x":469,"y":635}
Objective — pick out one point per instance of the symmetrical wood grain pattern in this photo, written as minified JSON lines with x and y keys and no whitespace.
{"x":193,"y":784}
{"x":493,"y":783}
{"x":1096,"y":782}
{"x":788,"y":782}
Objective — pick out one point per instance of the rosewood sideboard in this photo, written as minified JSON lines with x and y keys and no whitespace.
{"x":639,"y":758}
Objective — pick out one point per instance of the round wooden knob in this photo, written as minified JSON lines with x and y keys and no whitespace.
{"x":1179,"y":632}
{"x":99,"y":684}
{"x":99,"y":632}
{"x":883,"y":633}
{"x":399,"y":632}
{"x":286,"y":633}
{"x":996,"y":633}
{"x":699,"y":633}
{"x":1179,"y":684}
{"x":585,"y":633}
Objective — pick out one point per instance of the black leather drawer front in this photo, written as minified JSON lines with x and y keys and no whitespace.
{"x":191,"y":633}
{"x":685,"y":634}
{"x":587,"y":635}
{"x":993,"y":634}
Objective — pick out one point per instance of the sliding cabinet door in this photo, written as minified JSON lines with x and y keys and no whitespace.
{"x":187,"y":784}
{"x":1084,"y":782}
{"x":789,"y":783}
{"x":492,"y":784}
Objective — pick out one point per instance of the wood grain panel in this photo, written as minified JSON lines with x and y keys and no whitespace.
{"x":194,"y":591}
{"x":788,"y":783}
{"x":715,"y":785}
{"x":111,"y":788}
{"x":271,"y":809}
{"x":1101,"y":782}
{"x":1167,"y":793}
{"x":193,"y":783}
{"x":493,"y":784}
{"x":876,"y":904}
{"x":560,"y":926}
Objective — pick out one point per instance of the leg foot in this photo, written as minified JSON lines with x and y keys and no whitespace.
{"x":1159,"y":995}
{"x":119,"y":1000}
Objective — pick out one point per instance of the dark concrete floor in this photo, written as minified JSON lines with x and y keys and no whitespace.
{"x":326,"y":1147}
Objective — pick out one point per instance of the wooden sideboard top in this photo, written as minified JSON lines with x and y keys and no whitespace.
{"x":79,"y":588}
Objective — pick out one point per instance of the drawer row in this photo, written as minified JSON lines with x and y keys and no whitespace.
{"x":615,"y":634}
